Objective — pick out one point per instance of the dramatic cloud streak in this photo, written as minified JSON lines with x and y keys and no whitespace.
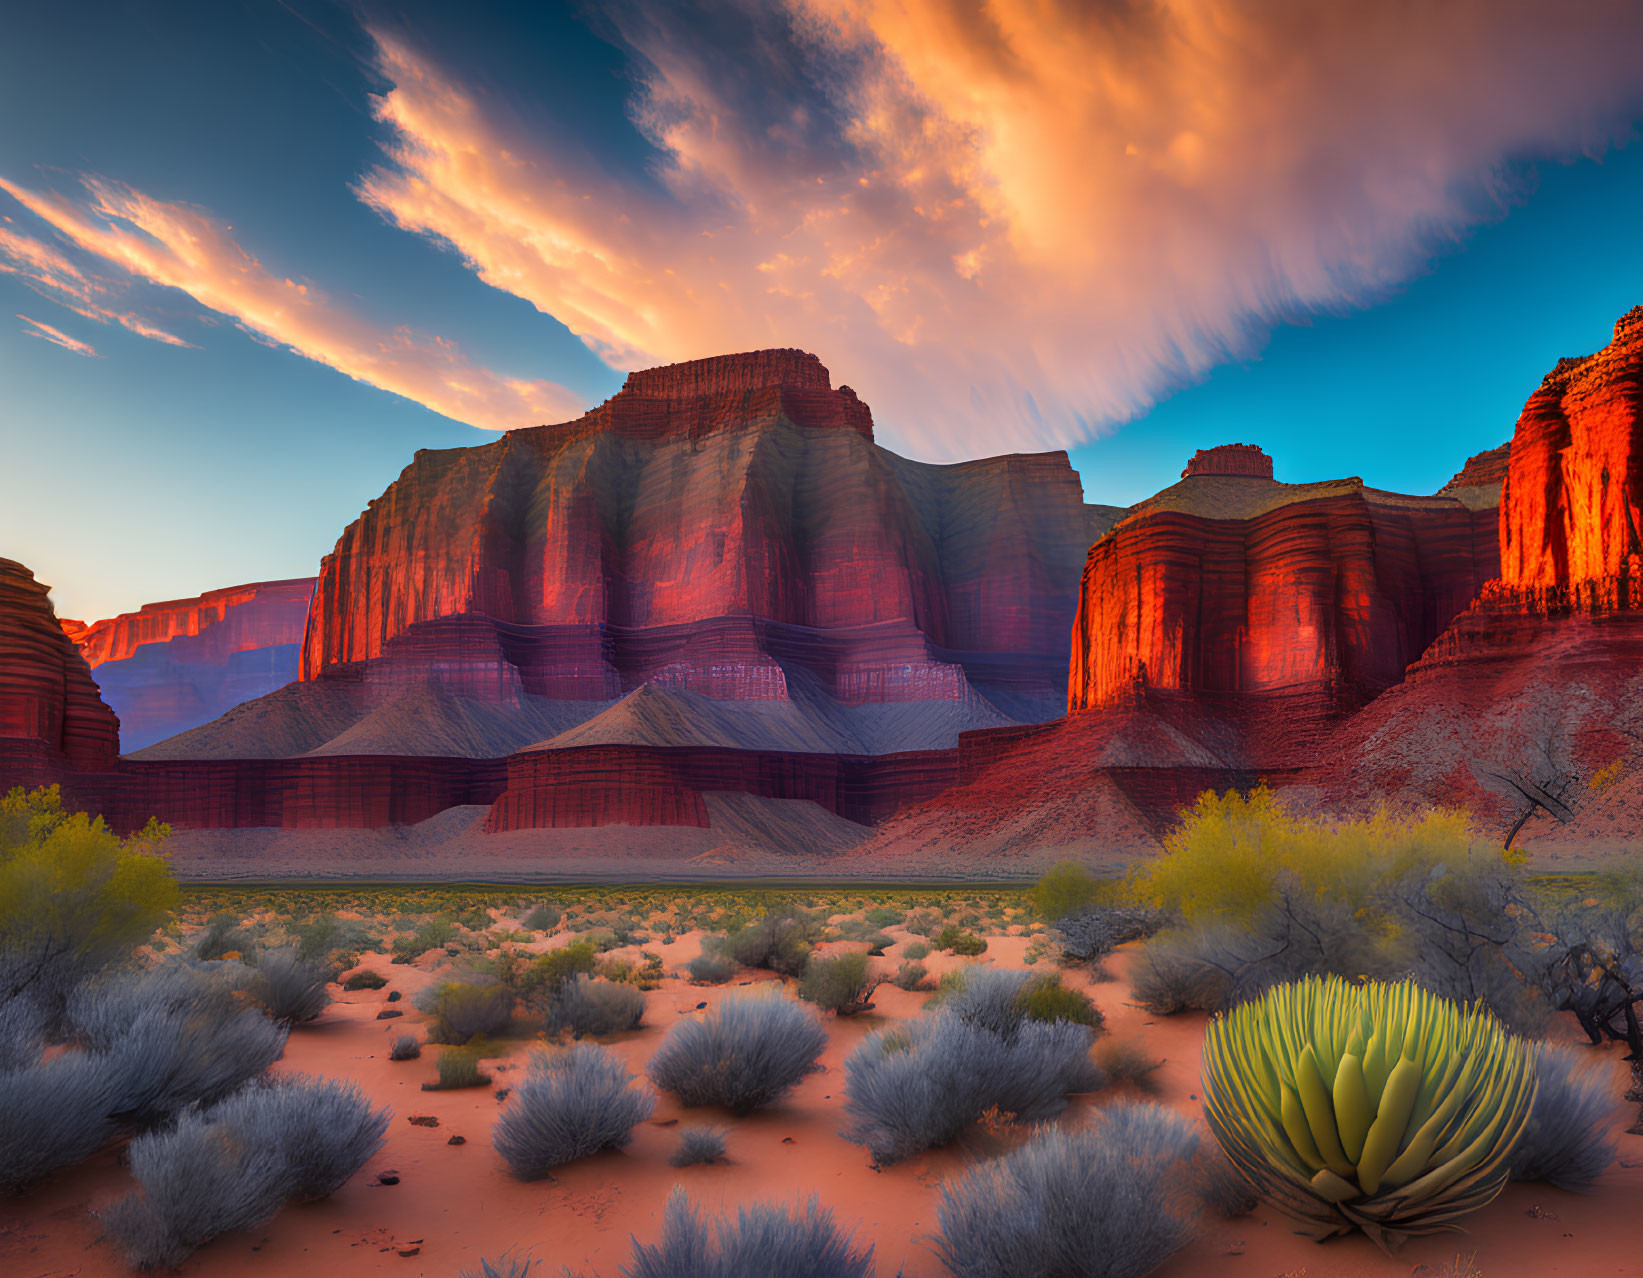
{"x":54,"y":277}
{"x":57,"y":337}
{"x":1007,"y":222}
{"x":182,"y":247}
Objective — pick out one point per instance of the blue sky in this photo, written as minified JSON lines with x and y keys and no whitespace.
{"x":1402,"y":392}
{"x":261,"y":253}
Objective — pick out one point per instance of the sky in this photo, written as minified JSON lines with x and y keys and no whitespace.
{"x":256,"y":253}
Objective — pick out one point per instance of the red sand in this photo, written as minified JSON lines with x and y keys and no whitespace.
{"x":454,"y":1204}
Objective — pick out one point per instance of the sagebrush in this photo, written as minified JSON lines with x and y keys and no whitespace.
{"x":742,"y":1054}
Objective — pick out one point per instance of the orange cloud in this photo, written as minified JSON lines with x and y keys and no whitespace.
{"x":1011,"y":222}
{"x":182,"y":247}
{"x":57,"y":337}
{"x":50,"y":274}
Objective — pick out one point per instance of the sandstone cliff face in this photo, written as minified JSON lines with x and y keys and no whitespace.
{"x":723,"y":527}
{"x":51,"y":717}
{"x":171,"y":666}
{"x":1482,"y":470}
{"x":646,"y":785}
{"x":1229,"y":582}
{"x":1227,"y":629}
{"x":1574,"y":489}
{"x":261,"y":614}
{"x":1230,"y":459}
{"x":715,"y":583}
{"x":1526,"y":710}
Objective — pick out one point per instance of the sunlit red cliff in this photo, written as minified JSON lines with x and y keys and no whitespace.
{"x":1526,"y":709}
{"x":172,"y":666}
{"x":714,"y":606}
{"x":714,"y":582}
{"x":1230,"y":582}
{"x":721,"y":527}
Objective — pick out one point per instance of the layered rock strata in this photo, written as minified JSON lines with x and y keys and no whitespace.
{"x":1229,"y":630}
{"x":1526,"y":710}
{"x":172,"y":666}
{"x":714,"y":583}
{"x":648,"y":785}
{"x":1573,"y":499}
{"x":711,"y":527}
{"x":1235,"y":584}
{"x":51,"y":716}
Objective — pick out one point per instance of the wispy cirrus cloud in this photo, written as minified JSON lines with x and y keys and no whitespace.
{"x":49,"y":272}
{"x":57,"y":337}
{"x":183,"y":247}
{"x":1006,"y":222}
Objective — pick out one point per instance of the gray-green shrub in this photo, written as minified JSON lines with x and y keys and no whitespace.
{"x":1123,"y":1061}
{"x":325,"y":936}
{"x":52,"y":1114}
{"x":325,"y":1128}
{"x":742,"y":1054}
{"x":222,"y":935}
{"x":835,"y":984}
{"x":588,"y":1006}
{"x":764,"y":1238}
{"x":1109,"y":1201}
{"x":570,"y":1104}
{"x":1000,"y":999}
{"x":698,"y":1145}
{"x":1567,"y":1142}
{"x":778,"y":942}
{"x":176,"y":1036}
{"x":144,"y":1046}
{"x":539,"y":981}
{"x":431,"y":935}
{"x":232,"y":1165}
{"x":289,"y":987}
{"x":194,"y":1185}
{"x":1091,"y":934}
{"x":544,"y":918}
{"x":711,"y":969}
{"x":920,"y":1084}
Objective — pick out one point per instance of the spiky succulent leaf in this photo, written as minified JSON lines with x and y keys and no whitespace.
{"x":1373,"y":1106}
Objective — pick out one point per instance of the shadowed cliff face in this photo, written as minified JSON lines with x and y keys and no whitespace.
{"x":1573,"y":505}
{"x":1230,"y":582}
{"x":715,"y":527}
{"x":51,"y":716}
{"x":171,"y":666}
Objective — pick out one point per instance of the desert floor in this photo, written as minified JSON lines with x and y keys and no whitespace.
{"x":455,"y":1203}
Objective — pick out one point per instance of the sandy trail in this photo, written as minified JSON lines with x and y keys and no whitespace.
{"x":456,"y":1203}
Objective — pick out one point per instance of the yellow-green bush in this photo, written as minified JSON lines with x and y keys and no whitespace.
{"x":1045,"y":998}
{"x":1261,"y":895}
{"x":1066,"y":889}
{"x":74,"y":896}
{"x":1227,"y":859}
{"x":541,"y":978}
{"x":459,"y":1011}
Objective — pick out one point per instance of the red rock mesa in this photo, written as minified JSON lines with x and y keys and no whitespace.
{"x":172,"y":666}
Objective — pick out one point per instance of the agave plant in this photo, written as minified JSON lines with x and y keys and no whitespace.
{"x":1378,"y":1107}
